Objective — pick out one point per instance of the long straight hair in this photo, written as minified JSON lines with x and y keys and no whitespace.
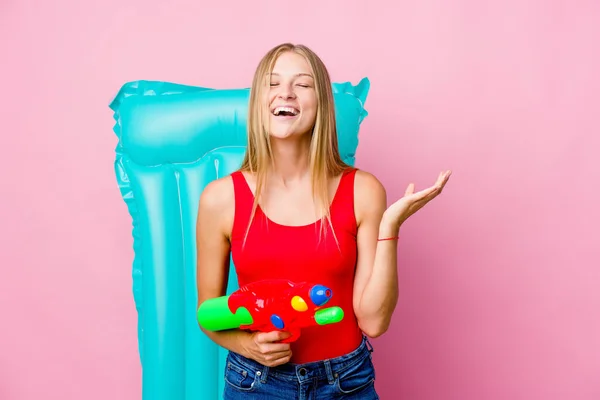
{"x":325,"y":161}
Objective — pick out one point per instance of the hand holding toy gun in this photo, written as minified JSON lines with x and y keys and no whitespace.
{"x":271,"y":305}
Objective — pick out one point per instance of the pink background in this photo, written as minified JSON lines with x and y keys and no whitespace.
{"x":500,"y":279}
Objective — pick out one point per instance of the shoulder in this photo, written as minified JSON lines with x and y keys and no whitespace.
{"x":217,"y":193}
{"x":217,"y":201}
{"x":367,"y":187}
{"x":368,"y":182}
{"x":369,"y":195}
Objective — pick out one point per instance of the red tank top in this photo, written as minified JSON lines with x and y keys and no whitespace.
{"x":274,"y":251}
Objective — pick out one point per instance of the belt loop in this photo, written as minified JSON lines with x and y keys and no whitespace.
{"x":263,"y":374}
{"x":369,"y":345}
{"x":327,"y":365}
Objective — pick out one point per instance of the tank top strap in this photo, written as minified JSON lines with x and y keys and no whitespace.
{"x":344,"y":196}
{"x":244,"y":199}
{"x":241,"y":187}
{"x":346,"y":186}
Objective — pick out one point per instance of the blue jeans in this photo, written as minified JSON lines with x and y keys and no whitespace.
{"x":351,"y":376}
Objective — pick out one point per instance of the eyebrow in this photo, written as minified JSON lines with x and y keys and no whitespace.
{"x":299,"y":74}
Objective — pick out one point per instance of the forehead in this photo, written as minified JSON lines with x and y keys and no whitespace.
{"x":291,"y":64}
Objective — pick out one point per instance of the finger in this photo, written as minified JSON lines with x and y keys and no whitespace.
{"x":273,"y":336}
{"x":443,"y":178}
{"x":410,"y":189}
{"x":279,"y":361}
{"x":423,"y":197}
{"x":425,"y":193}
{"x":442,"y":182}
{"x":439,"y":180}
{"x":270,"y":357}
{"x":439,"y":184}
{"x":266,"y":348}
{"x":432,"y":192}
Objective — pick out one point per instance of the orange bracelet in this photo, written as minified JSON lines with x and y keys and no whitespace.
{"x":390,"y":238}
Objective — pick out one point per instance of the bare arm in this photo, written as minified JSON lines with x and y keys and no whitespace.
{"x":216,"y":210}
{"x":213,"y":228}
{"x":376,"y":281}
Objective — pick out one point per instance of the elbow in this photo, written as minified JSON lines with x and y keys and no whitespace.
{"x":374,"y":329}
{"x":375,"y":322}
{"x":201,"y":316}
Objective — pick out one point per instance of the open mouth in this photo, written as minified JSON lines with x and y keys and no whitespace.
{"x":285,"y":112}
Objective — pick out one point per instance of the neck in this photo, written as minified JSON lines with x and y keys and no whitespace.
{"x":290,"y":159}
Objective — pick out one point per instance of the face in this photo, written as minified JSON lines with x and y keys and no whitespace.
{"x":291,"y":97}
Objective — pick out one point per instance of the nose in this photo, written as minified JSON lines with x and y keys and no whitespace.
{"x":286,"y":92}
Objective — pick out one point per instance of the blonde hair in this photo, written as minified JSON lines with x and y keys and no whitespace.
{"x":324,"y":159}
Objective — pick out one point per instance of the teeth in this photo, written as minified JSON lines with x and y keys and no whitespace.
{"x":279,"y":110}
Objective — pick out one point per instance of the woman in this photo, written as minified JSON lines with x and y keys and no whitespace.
{"x":294,"y":210}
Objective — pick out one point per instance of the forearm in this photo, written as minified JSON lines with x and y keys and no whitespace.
{"x":380,"y":295}
{"x":232,"y":339}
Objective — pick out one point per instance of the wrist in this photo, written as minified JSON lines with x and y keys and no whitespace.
{"x":389,"y":228}
{"x":244,"y":339}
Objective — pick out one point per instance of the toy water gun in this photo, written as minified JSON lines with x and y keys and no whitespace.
{"x":271,"y":305}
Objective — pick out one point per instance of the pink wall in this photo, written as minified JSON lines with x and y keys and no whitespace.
{"x":499,"y":276}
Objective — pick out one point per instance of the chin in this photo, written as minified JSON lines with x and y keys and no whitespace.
{"x":283,"y":135}
{"x":287,"y":131}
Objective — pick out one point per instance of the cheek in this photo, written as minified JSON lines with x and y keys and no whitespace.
{"x":267,"y":100}
{"x":314,"y":107}
{"x":309,"y":103}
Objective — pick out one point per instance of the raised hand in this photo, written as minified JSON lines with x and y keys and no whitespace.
{"x":411,"y":202}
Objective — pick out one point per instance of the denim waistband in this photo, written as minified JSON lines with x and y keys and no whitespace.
{"x":318,"y":369}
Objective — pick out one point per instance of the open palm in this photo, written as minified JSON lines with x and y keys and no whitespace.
{"x":412,"y":202}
